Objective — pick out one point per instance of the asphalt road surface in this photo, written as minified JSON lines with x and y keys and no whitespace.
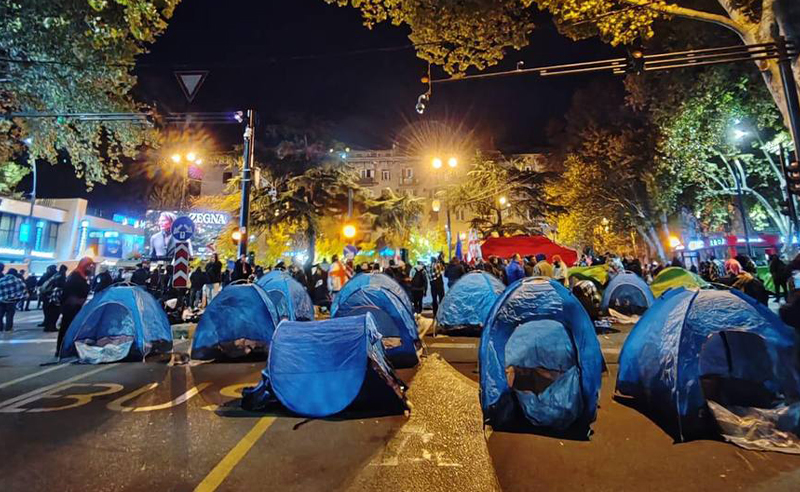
{"x":162,"y":426}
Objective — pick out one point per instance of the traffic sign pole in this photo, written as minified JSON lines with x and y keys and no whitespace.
{"x":180,"y":266}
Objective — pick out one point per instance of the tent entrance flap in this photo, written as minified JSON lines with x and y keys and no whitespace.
{"x":629,"y":299}
{"x":118,"y":334}
{"x":542,"y":370}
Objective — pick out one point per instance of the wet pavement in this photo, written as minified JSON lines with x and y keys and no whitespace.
{"x":155,"y":426}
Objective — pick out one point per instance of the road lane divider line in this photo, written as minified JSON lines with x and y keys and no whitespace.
{"x":45,"y":389}
{"x":28,"y":340}
{"x":32,"y":375}
{"x":453,"y":345}
{"x":220,"y":472}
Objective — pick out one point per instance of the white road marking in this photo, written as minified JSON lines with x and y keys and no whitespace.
{"x":117,"y":406}
{"x":32,"y":375}
{"x":454,"y":345}
{"x":29,"y":340}
{"x":47,"y":388}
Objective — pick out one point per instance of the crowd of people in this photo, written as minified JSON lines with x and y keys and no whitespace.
{"x":61,"y":294}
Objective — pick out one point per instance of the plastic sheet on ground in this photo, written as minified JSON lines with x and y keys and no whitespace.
{"x":760,"y":429}
{"x":442,"y":447}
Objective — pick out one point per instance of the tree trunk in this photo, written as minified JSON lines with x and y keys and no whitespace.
{"x":311,"y":237}
{"x":659,"y":246}
{"x":651,"y":248}
{"x":500,"y":223}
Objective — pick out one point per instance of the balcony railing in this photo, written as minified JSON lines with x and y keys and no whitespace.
{"x":409,"y":181}
{"x":367,"y":181}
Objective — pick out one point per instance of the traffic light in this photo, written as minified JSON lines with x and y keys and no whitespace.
{"x":635,"y":61}
{"x":793,"y":177}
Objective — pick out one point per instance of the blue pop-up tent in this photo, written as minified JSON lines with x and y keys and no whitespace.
{"x":291,"y":299}
{"x":468,"y":302}
{"x":319,"y":368}
{"x":388,"y":303}
{"x":540,"y":361}
{"x":238,"y":322}
{"x":628,"y":294}
{"x":122,"y":322}
{"x":720,"y":350}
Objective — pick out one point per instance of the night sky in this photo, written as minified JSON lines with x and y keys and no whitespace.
{"x":302,"y":57}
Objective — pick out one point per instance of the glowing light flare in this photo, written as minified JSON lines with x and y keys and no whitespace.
{"x":436,"y":163}
{"x":176,"y":158}
{"x":452,"y":162}
{"x":349,"y":231}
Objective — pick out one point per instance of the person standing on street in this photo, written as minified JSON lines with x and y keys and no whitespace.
{"x":214,"y":274}
{"x":30,"y":284}
{"x":780,"y":277}
{"x":41,"y":301}
{"x":419,"y":286}
{"x":198,"y":280}
{"x":76,"y":290}
{"x":560,"y":270}
{"x":12,"y":290}
{"x":337,"y":276}
{"x":437,"y":284}
{"x":454,"y":271}
{"x":102,"y":280}
{"x":51,"y":291}
{"x":241,"y":269}
{"x":514,"y":270}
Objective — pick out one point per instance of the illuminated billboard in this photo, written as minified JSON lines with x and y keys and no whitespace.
{"x":160,"y":245}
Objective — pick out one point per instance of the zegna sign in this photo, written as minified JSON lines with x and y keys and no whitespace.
{"x":209,"y":218}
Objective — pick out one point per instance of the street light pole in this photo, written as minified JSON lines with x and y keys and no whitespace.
{"x":30,"y":243}
{"x":743,"y":213}
{"x":247,"y":165}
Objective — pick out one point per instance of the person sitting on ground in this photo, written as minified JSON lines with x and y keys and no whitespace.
{"x":542,"y":268}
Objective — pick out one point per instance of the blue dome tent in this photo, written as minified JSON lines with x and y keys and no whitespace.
{"x":389,"y":304}
{"x":466,"y":304}
{"x":320,"y":368}
{"x":628,"y":294}
{"x":291,"y":299}
{"x":540,"y":361}
{"x":123,"y":322}
{"x":695,"y":351}
{"x":239,"y":322}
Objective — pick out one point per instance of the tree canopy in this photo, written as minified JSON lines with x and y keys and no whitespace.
{"x":76,"y":56}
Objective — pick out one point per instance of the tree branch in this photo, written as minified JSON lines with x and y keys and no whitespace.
{"x":698,"y":15}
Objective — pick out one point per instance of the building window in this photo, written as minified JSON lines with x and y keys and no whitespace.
{"x":226,"y":176}
{"x":368,"y":173}
{"x":528,"y":168}
{"x":386,"y":175}
{"x":49,"y":240}
{"x":7,"y":223}
{"x":461,"y":216}
{"x":408,"y":172}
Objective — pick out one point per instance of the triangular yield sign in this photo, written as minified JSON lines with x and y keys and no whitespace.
{"x":190,"y":82}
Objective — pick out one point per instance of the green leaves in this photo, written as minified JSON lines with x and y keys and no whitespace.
{"x":75,"y":56}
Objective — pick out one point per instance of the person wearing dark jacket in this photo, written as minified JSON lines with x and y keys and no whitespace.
{"x":454,"y":271}
{"x":214,"y":273}
{"x":52,"y":291}
{"x":76,"y":290}
{"x":199,"y":279}
{"x":102,"y":280}
{"x":140,"y":275}
{"x":41,"y":301}
{"x":419,"y":286}
{"x":319,"y":287}
{"x":241,"y":269}
{"x":437,"y":284}
{"x":780,"y":277}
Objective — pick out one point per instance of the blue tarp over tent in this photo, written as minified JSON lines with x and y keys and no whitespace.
{"x":238,"y":322}
{"x":381,"y":296}
{"x":540,"y":361}
{"x":628,"y":294}
{"x":718,"y":350}
{"x":320,"y":368}
{"x":121,"y":322}
{"x":291,"y":299}
{"x":468,"y":302}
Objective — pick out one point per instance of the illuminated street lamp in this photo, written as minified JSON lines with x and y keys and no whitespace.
{"x":502,"y":201}
{"x":176,"y":158}
{"x":437,"y":163}
{"x":349,"y":231}
{"x":436,"y":205}
{"x":452,"y":162}
{"x":236,"y":236}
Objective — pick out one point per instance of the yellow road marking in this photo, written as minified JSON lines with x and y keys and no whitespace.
{"x":32,"y":375}
{"x":234,"y":456}
{"x":49,"y":387}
